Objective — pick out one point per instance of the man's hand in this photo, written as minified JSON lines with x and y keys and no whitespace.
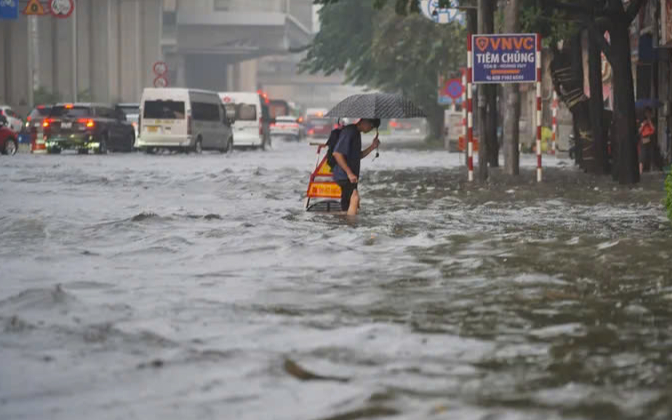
{"x":375,"y":143}
{"x":352,"y":178}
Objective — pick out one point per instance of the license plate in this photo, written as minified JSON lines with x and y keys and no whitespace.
{"x":66,"y":125}
{"x":152,"y":129}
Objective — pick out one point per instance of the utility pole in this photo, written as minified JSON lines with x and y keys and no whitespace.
{"x":511,"y":98}
{"x":486,"y":93}
{"x":74,"y":56}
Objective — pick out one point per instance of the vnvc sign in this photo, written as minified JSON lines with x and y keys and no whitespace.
{"x":505,"y":58}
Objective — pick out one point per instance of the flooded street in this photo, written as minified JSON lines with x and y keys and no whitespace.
{"x":196,"y":286}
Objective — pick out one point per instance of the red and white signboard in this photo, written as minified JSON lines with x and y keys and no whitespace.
{"x":62,"y":8}
{"x":160,"y":82}
{"x":160,"y":70}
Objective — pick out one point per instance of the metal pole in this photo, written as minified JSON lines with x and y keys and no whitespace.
{"x":538,"y":107}
{"x":470,"y":111}
{"x":31,"y":70}
{"x":464,"y":113}
{"x":75,"y":88}
{"x":555,"y":120}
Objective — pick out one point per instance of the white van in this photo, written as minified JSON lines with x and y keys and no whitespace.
{"x":248,"y":127}
{"x":187,"y":119}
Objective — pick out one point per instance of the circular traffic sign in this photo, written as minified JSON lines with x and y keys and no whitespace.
{"x":454,"y":88}
{"x":227,"y":99}
{"x":62,"y":8}
{"x":160,"y":68}
{"x":433,"y":11}
{"x":160,"y":82}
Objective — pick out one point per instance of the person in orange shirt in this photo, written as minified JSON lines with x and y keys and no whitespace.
{"x":646,"y":132}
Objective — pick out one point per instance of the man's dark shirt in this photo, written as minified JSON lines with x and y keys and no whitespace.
{"x":350,"y":146}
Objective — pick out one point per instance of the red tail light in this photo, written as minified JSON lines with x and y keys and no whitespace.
{"x":311,"y":132}
{"x":189,"y":125}
{"x":89,"y":123}
{"x":47,"y":122}
{"x":29,"y":118}
{"x":335,"y":126}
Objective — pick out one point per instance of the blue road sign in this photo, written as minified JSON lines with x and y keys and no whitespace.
{"x":9,"y":9}
{"x":510,"y":58}
{"x":454,"y":88}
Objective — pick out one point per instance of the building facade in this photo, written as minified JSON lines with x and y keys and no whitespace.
{"x":103,"y":52}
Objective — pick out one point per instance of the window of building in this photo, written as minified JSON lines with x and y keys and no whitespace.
{"x":222,"y":5}
{"x":169,"y":18}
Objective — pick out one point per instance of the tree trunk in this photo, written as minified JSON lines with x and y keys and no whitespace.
{"x":436,"y":120}
{"x":567,"y":75}
{"x":599,"y":150}
{"x":626,"y":165}
{"x":491,"y":126}
{"x":582,"y":138}
{"x":512,"y":100}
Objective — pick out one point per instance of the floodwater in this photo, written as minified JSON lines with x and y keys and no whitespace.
{"x":196,"y":287}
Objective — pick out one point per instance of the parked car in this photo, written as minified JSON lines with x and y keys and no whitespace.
{"x":278,"y":108}
{"x":183,"y":119}
{"x":286,"y":127}
{"x":14,"y":122}
{"x":319,"y":126}
{"x":87,"y":127}
{"x":9,"y":141}
{"x":132,"y":112}
{"x":250,"y":115}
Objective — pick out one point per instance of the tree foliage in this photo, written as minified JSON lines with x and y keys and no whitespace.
{"x":387,"y":47}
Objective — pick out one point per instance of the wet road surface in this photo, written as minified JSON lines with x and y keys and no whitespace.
{"x":192,"y":286}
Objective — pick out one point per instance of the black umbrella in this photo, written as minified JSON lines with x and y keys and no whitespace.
{"x":376,"y":105}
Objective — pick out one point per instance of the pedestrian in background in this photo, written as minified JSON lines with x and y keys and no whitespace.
{"x":646,"y":132}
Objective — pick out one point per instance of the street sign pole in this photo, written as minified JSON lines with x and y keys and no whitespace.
{"x":75,"y":54}
{"x":507,"y":58}
{"x":470,"y":111}
{"x":538,"y":57}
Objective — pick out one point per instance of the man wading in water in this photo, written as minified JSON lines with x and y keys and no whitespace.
{"x":347,"y":153}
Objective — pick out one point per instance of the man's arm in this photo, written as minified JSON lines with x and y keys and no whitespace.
{"x":340,"y":159}
{"x":371,"y":148}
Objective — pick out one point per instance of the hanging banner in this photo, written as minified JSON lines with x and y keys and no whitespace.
{"x":505,"y":58}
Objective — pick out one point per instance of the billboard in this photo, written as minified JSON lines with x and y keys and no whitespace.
{"x":666,"y":22}
{"x":504,"y":58}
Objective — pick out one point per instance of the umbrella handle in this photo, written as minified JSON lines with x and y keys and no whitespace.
{"x":377,"y":153}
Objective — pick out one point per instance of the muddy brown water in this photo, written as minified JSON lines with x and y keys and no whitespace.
{"x":191,"y":286}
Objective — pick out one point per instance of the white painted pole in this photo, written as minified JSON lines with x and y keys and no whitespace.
{"x":555,"y":121}
{"x":75,"y":86}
